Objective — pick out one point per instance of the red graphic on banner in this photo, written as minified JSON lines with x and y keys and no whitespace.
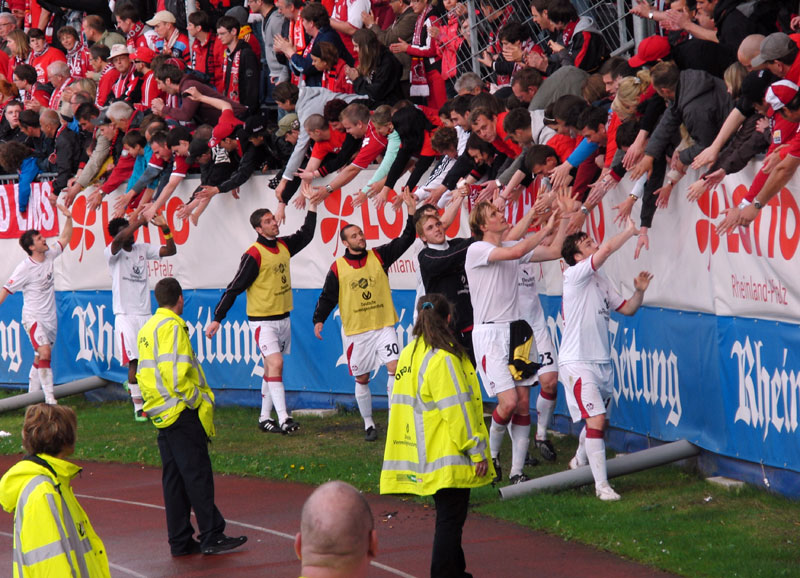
{"x":330,"y":226}
{"x":705,"y":229}
{"x":83,"y":219}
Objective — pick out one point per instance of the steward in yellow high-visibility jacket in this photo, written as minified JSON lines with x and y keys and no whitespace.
{"x":52,"y":534}
{"x":436,"y":433}
{"x":169,"y":374}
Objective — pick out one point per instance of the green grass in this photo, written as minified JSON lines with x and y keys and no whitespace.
{"x":668,"y":518}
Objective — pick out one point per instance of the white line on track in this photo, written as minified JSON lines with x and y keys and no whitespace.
{"x":383,"y":567}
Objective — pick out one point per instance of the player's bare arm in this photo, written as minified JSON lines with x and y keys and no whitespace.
{"x":640,"y":285}
{"x":613,"y":244}
{"x":66,"y":230}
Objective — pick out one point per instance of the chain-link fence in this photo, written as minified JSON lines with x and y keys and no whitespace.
{"x":478,"y":27}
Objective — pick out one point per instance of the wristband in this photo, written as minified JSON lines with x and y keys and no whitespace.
{"x":650,"y":15}
{"x":498,"y":183}
{"x":167,"y":236}
{"x":744,"y":204}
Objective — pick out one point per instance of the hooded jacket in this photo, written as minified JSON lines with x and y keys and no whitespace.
{"x":584,"y":46}
{"x":52,"y":534}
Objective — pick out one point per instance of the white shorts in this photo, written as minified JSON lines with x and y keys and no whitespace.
{"x":490,"y":342}
{"x":366,"y":352}
{"x":544,"y":345}
{"x":39,"y":332}
{"x":588,"y":388}
{"x":126,"y":334}
{"x":273,"y":336}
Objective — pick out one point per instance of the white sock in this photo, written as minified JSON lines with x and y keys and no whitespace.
{"x":596,"y":450}
{"x":497,"y":432}
{"x":278,"y":399}
{"x":33,"y":379}
{"x":520,"y":440}
{"x":390,"y":387}
{"x":136,"y":395}
{"x":46,"y":379}
{"x":581,"y":453}
{"x":266,"y":401}
{"x":364,"y":401}
{"x":544,"y":411}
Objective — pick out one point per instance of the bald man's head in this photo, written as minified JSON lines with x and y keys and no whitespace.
{"x":749,"y":49}
{"x":336,"y":530}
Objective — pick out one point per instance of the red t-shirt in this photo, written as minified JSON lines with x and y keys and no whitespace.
{"x":373,"y":145}
{"x":501,"y":143}
{"x":332,"y":146}
{"x":40,"y":63}
{"x":179,"y":166}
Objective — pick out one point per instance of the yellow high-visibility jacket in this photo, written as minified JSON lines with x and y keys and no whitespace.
{"x":52,"y":533}
{"x":169,"y":374}
{"x":436,"y":432}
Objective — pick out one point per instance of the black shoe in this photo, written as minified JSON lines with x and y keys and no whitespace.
{"x":498,"y":471}
{"x":530,"y":460}
{"x":270,"y":426}
{"x":546,"y":449}
{"x":224,"y":543}
{"x":518,"y":479}
{"x":289,"y":426}
{"x":371,"y":434}
{"x":192,"y":548}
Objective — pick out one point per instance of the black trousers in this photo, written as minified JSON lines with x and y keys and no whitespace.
{"x":451,"y":513}
{"x":188,"y":483}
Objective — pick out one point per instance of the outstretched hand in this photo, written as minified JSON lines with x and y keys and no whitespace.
{"x":642,"y":281}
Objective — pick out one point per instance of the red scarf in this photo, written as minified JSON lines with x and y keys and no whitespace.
{"x":124,"y":85}
{"x":78,"y":60}
{"x":230,"y":72}
{"x":419,"y":82}
{"x":55,"y":98}
{"x":569,"y":31}
{"x":133,"y":34}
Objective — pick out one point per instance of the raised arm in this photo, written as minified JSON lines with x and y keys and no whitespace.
{"x":640,"y":284}
{"x":612,"y":244}
{"x":66,"y":230}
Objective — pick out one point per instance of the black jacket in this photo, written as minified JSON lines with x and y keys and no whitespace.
{"x":249,"y":76}
{"x":383,"y":84}
{"x":68,"y":153}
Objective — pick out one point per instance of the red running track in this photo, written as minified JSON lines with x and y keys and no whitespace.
{"x":125,"y":505}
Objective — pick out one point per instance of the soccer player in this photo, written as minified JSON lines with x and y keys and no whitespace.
{"x":130,"y":294}
{"x":358,"y":283}
{"x":492,"y":267}
{"x":585,"y":351}
{"x":264,"y":273}
{"x":34,"y":277}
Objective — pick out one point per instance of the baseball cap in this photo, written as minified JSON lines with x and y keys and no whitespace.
{"x":144,"y":54}
{"x":118,"y":50}
{"x":161,"y":16}
{"x":65,"y":111}
{"x":101,"y":119}
{"x":780,"y":94}
{"x":775,"y":46}
{"x":240,"y":13}
{"x":754,"y":87}
{"x":225,"y":126}
{"x":650,"y":49}
{"x":255,"y":126}
{"x":197,"y":148}
{"x":287,"y":123}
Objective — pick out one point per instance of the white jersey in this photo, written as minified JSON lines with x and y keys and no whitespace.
{"x":35,"y":280}
{"x":530,"y":306}
{"x":493,"y":286}
{"x":129,"y":290}
{"x":588,"y":297}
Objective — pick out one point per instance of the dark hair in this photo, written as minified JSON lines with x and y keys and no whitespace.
{"x":421,"y":211}
{"x":25,"y":72}
{"x":35,"y":33}
{"x":513,"y":32}
{"x":570,"y":247}
{"x":561,"y":11}
{"x":527,"y":78}
{"x":229,"y":23}
{"x":134,"y":138}
{"x":159,"y":137}
{"x":445,"y":109}
{"x":481,"y":111}
{"x":591,"y":118}
{"x":342,"y":231}
{"x":789,"y":58}
{"x":68,"y":30}
{"x":86,"y":111}
{"x":627,"y":133}
{"x":443,"y":139}
{"x":169,"y":72}
{"x":540,"y":5}
{"x":410,"y":123}
{"x":538,"y":155}
{"x":369,"y":50}
{"x":567,"y":108}
{"x":462,"y":104}
{"x":475,"y":142}
{"x":488,"y":101}
{"x":12,"y":153}
{"x":593,"y":88}
{"x":517,"y":119}
{"x":316,"y":13}
{"x":286,"y":91}
{"x":49,"y":429}
{"x":167,"y":292}
{"x":26,"y":240}
{"x":616,"y":66}
{"x":178,"y":134}
{"x":201,"y":19}
{"x":327,"y":52}
{"x":257,"y":215}
{"x":100,"y":51}
{"x":127,"y":11}
{"x":116,"y":225}
{"x":665,"y":75}
{"x":29,"y":118}
{"x":432,"y":326}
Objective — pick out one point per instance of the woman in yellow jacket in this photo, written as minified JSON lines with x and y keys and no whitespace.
{"x":437,"y":443}
{"x":52,"y":533}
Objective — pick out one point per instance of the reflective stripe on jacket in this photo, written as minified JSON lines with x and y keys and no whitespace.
{"x":52,"y":533}
{"x":436,"y":432}
{"x":169,"y":374}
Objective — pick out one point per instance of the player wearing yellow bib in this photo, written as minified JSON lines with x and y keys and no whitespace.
{"x":264,"y":274}
{"x":357,"y":282}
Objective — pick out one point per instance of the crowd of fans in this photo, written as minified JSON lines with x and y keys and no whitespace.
{"x":137,"y":96}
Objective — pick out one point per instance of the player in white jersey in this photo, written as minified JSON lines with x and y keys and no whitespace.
{"x":130,"y":293}
{"x":585,"y":351}
{"x":34,"y":277}
{"x":492,"y":267}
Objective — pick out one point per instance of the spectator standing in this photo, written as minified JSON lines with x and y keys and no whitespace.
{"x":94,"y":30}
{"x":207,"y":52}
{"x":240,"y":66}
{"x":43,"y":54}
{"x":272,"y":21}
{"x":148,"y":86}
{"x":346,"y":20}
{"x":137,"y":33}
{"x":402,"y":28}
{"x":379,"y":72}
{"x":293,"y":31}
